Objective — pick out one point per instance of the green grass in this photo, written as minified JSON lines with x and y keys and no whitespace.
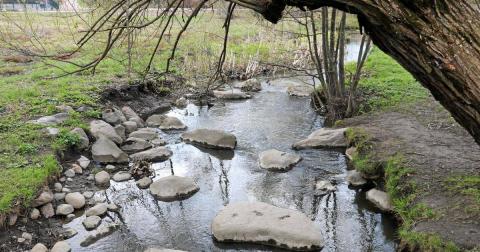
{"x":387,"y":84}
{"x":362,"y":159}
{"x":403,"y":193}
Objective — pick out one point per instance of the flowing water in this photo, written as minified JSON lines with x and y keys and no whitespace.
{"x":271,"y":119}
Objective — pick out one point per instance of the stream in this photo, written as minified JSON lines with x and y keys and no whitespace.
{"x":270,"y":119}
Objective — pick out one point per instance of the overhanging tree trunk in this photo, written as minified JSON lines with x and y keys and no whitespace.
{"x":437,"y":41}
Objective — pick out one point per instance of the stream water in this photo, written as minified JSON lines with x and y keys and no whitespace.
{"x":271,"y":119}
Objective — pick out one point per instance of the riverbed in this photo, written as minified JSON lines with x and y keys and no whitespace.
{"x":270,"y":119}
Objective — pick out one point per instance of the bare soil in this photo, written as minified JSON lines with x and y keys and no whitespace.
{"x":436,"y":148}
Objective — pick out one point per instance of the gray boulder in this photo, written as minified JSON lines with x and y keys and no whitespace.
{"x":130,"y":126}
{"x":98,"y":234}
{"x":106,"y":151}
{"x":51,"y":120}
{"x":380,"y":199}
{"x":173,"y":188}
{"x":355,"y":178}
{"x":113,"y":116}
{"x":84,"y":141}
{"x":47,"y":210}
{"x":323,"y":138}
{"x":145,"y":133}
{"x":76,"y":199}
{"x":102,"y":178}
{"x":261,"y":223}
{"x":120,"y":131}
{"x":157,"y":154}
{"x":133,"y":145}
{"x":84,"y":162}
{"x":233,"y":94}
{"x":165,"y":122}
{"x":214,"y":139}
{"x":42,"y":199}
{"x":276,"y":160}
{"x":91,"y":222}
{"x":100,"y":128}
{"x":132,"y":116}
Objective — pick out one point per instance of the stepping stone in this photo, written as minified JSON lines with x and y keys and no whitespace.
{"x":106,"y":151}
{"x":380,"y":199}
{"x":276,"y":160}
{"x":165,"y":122}
{"x":122,"y":176}
{"x":157,"y":154}
{"x":100,"y":128}
{"x":91,"y":222}
{"x":233,"y":94}
{"x":261,"y":223}
{"x":355,"y":178}
{"x":145,"y":134}
{"x":214,"y":139}
{"x":323,"y":138}
{"x":173,"y":188}
{"x":133,"y":145}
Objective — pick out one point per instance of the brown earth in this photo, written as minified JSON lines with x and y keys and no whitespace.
{"x":437,"y":149}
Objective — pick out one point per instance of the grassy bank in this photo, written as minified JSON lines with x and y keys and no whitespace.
{"x":389,"y":88}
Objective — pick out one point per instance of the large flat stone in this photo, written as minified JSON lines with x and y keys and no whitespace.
{"x":276,"y":160}
{"x":173,"y":188}
{"x":157,"y":154}
{"x":323,"y":138}
{"x":261,"y":223}
{"x":209,"y":138}
{"x":133,"y":145}
{"x":145,"y":133}
{"x":106,"y":151}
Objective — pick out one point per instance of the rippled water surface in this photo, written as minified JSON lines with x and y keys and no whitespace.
{"x":271,"y":119}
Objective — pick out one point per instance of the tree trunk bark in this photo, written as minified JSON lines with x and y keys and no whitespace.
{"x":438,"y":41}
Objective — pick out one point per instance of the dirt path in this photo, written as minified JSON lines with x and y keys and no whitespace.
{"x":445,"y":162}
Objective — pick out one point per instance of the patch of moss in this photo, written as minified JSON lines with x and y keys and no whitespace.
{"x":363,"y":159}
